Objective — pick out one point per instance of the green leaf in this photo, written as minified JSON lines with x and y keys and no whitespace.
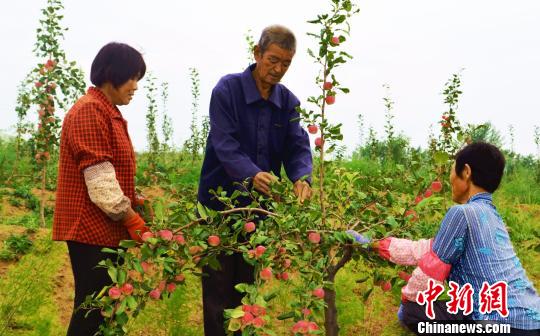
{"x":367,"y":294}
{"x":234,"y":324}
{"x":128,"y":243}
{"x":286,"y":316}
{"x":440,"y":158}
{"x":108,"y":250}
{"x":237,"y":313}
{"x":361,"y":280}
{"x":131,"y":302}
{"x":241,"y":287}
{"x":112,"y":273}
{"x":202,"y":211}
{"x":121,"y":276}
{"x":392,"y":222}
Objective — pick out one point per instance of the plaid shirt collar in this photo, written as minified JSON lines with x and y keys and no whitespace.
{"x":99,"y":95}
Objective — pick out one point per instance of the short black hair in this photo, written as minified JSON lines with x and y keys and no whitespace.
{"x":486,"y":162}
{"x":117,"y":63}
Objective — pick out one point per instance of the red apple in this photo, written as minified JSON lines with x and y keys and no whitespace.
{"x":258,"y":310}
{"x":330,"y":100}
{"x":266,"y":273}
{"x":327,"y":85}
{"x":319,"y":142}
{"x":301,"y":327}
{"x":258,"y":322}
{"x":287,"y":263}
{"x":284,"y":276}
{"x":38,"y":84}
{"x":312,"y":129}
{"x":115,"y":293}
{"x":404,"y":275}
{"x":193,"y":250}
{"x":318,"y":292}
{"x":171,"y":287}
{"x":213,"y":240}
{"x":247,"y":318}
{"x":165,"y":234}
{"x":412,"y":215}
{"x":249,"y":227}
{"x":335,"y":40}
{"x":246,"y":308}
{"x":180,"y":278}
{"x":127,"y":288}
{"x":386,"y":286}
{"x":161,"y":285}
{"x":312,"y":326}
{"x":50,"y":64}
{"x":147,"y":235}
{"x":259,"y":250}
{"x":436,"y":186}
{"x":314,"y":237}
{"x":306,"y":312}
{"x":155,"y":294}
{"x":428,"y":193}
{"x":180,"y":239}
{"x":146,"y":266}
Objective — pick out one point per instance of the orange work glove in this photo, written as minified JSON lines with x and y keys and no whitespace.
{"x":135,"y":226}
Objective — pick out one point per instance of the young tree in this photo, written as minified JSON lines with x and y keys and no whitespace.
{"x":166,"y":125}
{"x":194,"y":143}
{"x":51,"y":86}
{"x":151,"y":116}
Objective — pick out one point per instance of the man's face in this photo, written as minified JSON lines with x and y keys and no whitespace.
{"x":273,"y":64}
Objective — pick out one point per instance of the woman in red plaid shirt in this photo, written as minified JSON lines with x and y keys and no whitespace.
{"x":96,"y":188}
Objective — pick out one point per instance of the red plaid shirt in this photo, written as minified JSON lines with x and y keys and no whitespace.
{"x":93,"y":131}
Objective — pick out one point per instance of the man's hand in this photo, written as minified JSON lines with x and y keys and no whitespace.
{"x":302,"y":190}
{"x":262,"y":181}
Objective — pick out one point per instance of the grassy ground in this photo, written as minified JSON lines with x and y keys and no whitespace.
{"x":39,"y":286}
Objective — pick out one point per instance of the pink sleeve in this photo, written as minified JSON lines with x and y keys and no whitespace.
{"x":404,"y":251}
{"x":430,"y":266}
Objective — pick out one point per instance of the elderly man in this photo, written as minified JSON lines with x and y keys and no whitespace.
{"x":254,"y":129}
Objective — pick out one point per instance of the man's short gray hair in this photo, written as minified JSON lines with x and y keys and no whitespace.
{"x":280,"y":35}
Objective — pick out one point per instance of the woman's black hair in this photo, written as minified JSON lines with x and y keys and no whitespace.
{"x":117,"y":63}
{"x":486,"y":162}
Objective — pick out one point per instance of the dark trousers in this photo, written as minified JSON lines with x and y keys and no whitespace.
{"x":88,"y":280}
{"x":219,"y":293}
{"x":414,"y":313}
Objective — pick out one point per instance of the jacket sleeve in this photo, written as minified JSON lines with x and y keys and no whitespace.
{"x":447,"y":248}
{"x":237,"y":164}
{"x":403,"y":251}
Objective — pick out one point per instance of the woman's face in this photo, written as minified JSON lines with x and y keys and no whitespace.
{"x":123,"y":94}
{"x":460,"y":184}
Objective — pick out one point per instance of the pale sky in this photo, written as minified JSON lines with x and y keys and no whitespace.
{"x":414,"y":46}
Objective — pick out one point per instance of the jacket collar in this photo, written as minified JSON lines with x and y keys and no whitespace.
{"x":251,"y":92}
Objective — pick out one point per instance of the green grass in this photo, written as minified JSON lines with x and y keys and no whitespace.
{"x":28,"y":308}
